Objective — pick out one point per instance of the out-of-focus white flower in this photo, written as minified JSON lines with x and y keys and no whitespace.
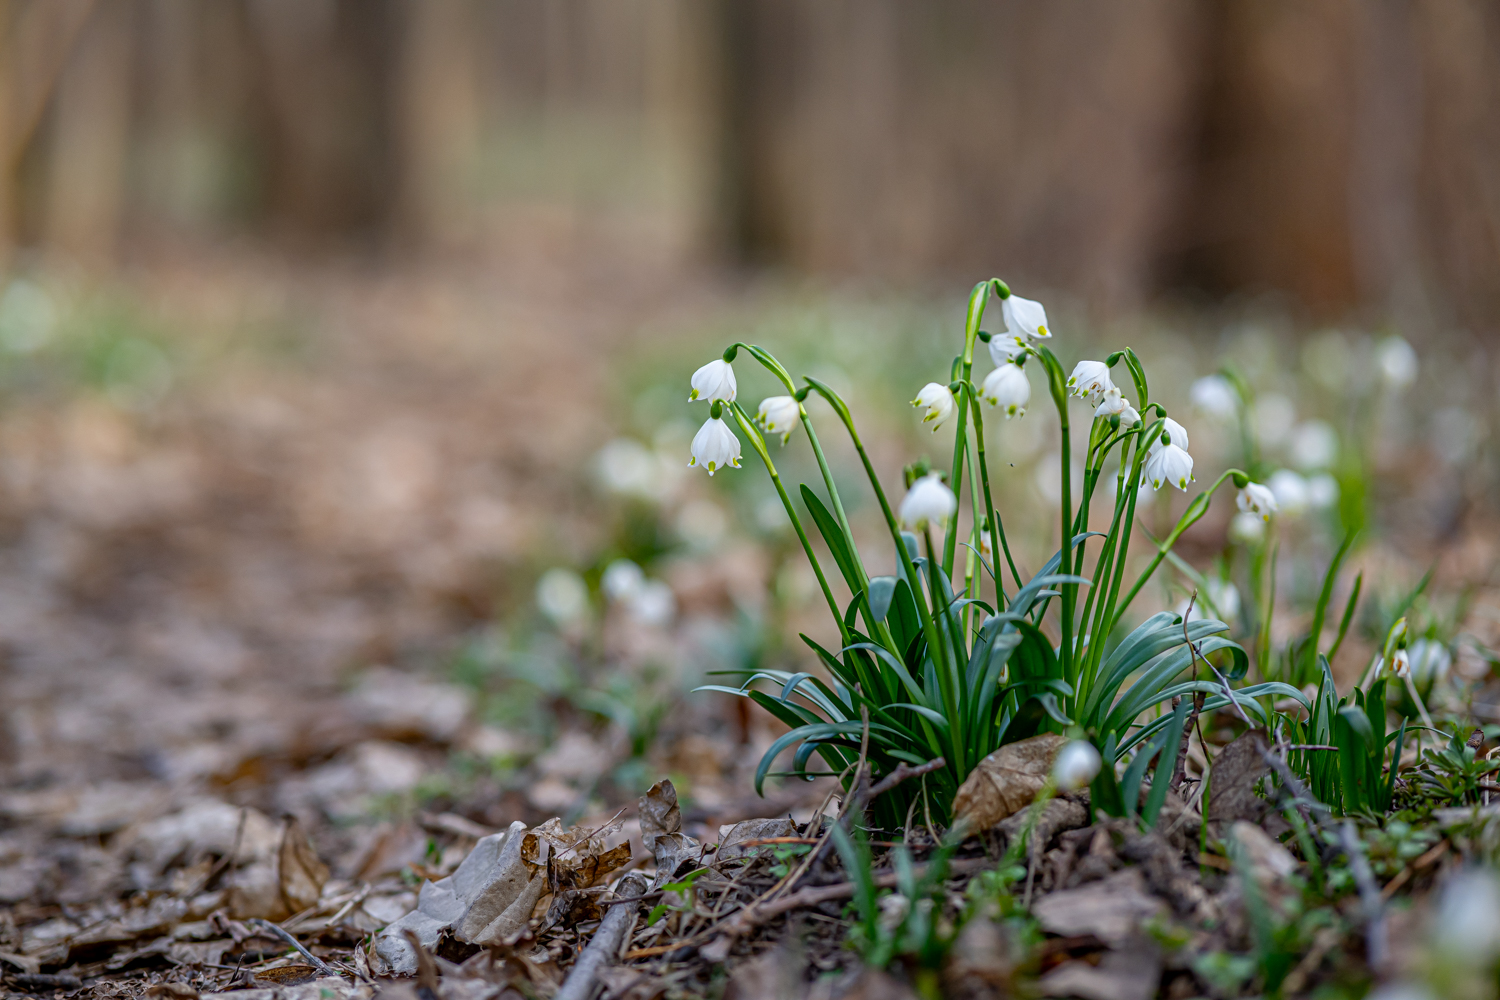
{"x":1215,"y":397}
{"x":1090,"y":379}
{"x":939,"y":403}
{"x":1274,"y":417}
{"x":562,"y":595}
{"x":1401,"y":991}
{"x":929,"y":501}
{"x":1113,"y":402}
{"x":629,"y":468}
{"x":653,"y":604}
{"x":893,"y":910}
{"x":1322,"y":491}
{"x":1005,"y":348}
{"x":1290,"y":491}
{"x":1430,"y":660}
{"x":779,"y":415}
{"x":1314,"y":445}
{"x":1170,"y":464}
{"x":1466,"y":927}
{"x":1171,"y":433}
{"x":1246,"y":528}
{"x":1222,"y":598}
{"x":1008,"y":388}
{"x":622,"y":580}
{"x":714,"y":380}
{"x":1397,"y":361}
{"x":1401,"y":663}
{"x":1024,"y":317}
{"x":1076,"y":765}
{"x":1256,"y":499}
{"x":715,"y":447}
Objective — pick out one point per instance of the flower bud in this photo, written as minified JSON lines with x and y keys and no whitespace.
{"x":715,"y":447}
{"x":1008,"y":388}
{"x":1398,"y":362}
{"x":713,"y":382}
{"x":1257,"y":499}
{"x":779,"y":415}
{"x":1076,"y":765}
{"x":928,"y":502}
{"x":939,"y":402}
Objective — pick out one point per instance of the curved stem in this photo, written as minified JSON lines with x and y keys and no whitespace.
{"x":998,"y":541}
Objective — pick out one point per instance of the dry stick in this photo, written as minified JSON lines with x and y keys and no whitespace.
{"x":902,"y":772}
{"x":604,"y":946}
{"x":322,"y":966}
{"x":1179,"y":773}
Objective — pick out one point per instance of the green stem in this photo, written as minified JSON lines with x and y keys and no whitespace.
{"x":977,"y":301}
{"x":998,"y":540}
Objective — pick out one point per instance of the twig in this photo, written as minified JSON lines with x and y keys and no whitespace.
{"x":902,"y":772}
{"x":1194,"y":652}
{"x":1369,"y":895}
{"x":317,"y":963}
{"x":1179,"y":773}
{"x":604,"y":946}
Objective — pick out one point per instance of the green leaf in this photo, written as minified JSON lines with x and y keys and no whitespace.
{"x":882,"y":590}
{"x":1167,"y":765}
{"x":839,"y":545}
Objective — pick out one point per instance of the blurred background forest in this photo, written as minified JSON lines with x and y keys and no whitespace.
{"x":1340,"y":154}
{"x":345,"y":344}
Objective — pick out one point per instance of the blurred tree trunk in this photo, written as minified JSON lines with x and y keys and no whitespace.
{"x":90,"y":142}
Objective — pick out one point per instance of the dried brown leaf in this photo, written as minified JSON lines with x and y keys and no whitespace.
{"x":659,"y":813}
{"x":1006,"y":781}
{"x":300,"y":870}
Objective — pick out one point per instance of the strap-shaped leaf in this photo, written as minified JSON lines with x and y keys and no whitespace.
{"x":1171,"y":747}
{"x":1146,"y":691}
{"x":882,"y":590}
{"x":839,"y":545}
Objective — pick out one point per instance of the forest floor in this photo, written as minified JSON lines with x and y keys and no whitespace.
{"x":231,"y":619}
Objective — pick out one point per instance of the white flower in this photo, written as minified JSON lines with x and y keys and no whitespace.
{"x":1257,"y":499}
{"x":562,"y":595}
{"x":1170,"y":464}
{"x":1398,"y":362}
{"x":1006,"y":348}
{"x":1225,"y":597}
{"x":929,"y":501}
{"x":779,"y":415}
{"x":1274,"y":417}
{"x":1401,"y":663}
{"x":1215,"y":396}
{"x":1290,"y":491}
{"x":1322,"y":491}
{"x":1246,"y":528}
{"x":1090,"y":379}
{"x":1171,"y":433}
{"x":1076,"y":765}
{"x":715,"y":446}
{"x":1008,"y":388}
{"x":1314,"y":445}
{"x":714,"y":380}
{"x":622,"y":580}
{"x":1466,"y":927}
{"x":1112,"y":402}
{"x":1024,"y":317}
{"x":939,"y":403}
{"x":1430,"y":660}
{"x":653,"y":604}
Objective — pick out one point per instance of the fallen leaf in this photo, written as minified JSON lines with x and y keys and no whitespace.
{"x":1132,"y":973}
{"x":731,"y":847}
{"x":1231,"y":791}
{"x":659,"y":813}
{"x":300,"y":871}
{"x":1006,"y":781}
{"x":1111,"y":909}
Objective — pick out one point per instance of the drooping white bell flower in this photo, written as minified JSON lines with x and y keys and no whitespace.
{"x":1006,"y":348}
{"x":1290,"y":491}
{"x":1169,"y":464}
{"x":939,"y":403}
{"x":1246,"y":528}
{"x":779,"y":415}
{"x":1024,"y":317}
{"x":1113,"y":402}
{"x":1090,"y":379}
{"x":714,"y":380}
{"x":653,"y":604}
{"x":1215,"y":397}
{"x":928,"y":502}
{"x":1257,"y":499}
{"x":1171,"y":433}
{"x":1430,"y":660}
{"x":715,"y":447}
{"x":1008,"y":388}
{"x":1076,"y":765}
{"x":562,"y":595}
{"x":1401,"y":663}
{"x":1398,"y":362}
{"x":1466,"y":927}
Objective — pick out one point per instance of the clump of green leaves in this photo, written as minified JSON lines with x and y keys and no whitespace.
{"x":1454,"y":773}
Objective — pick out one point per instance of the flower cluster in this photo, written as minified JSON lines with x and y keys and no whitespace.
{"x":715,"y":446}
{"x":1007,"y":386}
